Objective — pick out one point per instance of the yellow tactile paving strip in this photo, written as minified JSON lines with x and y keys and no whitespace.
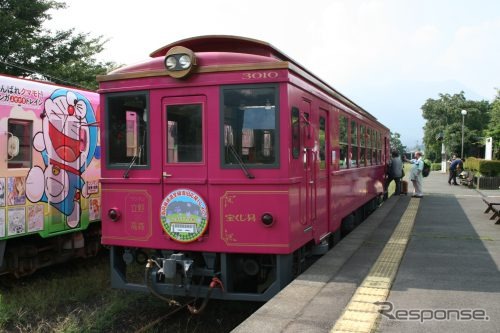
{"x":361,"y":314}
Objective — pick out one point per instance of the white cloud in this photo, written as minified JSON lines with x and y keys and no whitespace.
{"x":473,"y":55}
{"x":426,"y":36}
{"x":348,"y":43}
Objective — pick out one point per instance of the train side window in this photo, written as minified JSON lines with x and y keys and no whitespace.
{"x":379,"y":147}
{"x":322,"y":143}
{"x":127,"y":130}
{"x":295,"y":132}
{"x":362,"y":139}
{"x":249,"y":129}
{"x":374,"y":147}
{"x":343,"y":141}
{"x":354,"y":145}
{"x":368,"y":146}
{"x":19,"y":143}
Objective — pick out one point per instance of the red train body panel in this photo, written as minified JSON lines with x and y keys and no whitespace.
{"x":224,"y":159}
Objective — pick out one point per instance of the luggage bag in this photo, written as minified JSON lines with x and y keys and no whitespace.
{"x":404,"y":187}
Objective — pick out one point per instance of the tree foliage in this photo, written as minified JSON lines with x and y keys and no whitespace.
{"x":396,"y":143}
{"x":493,"y":129}
{"x":29,"y":50}
{"x":444,"y":120}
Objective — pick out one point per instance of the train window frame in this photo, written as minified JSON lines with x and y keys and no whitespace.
{"x":379,"y":148}
{"x":368,"y":146}
{"x":354,"y":144}
{"x":181,"y":152}
{"x":227,"y":132}
{"x":24,"y":157}
{"x":343,"y":141}
{"x":374,"y":147}
{"x":362,"y":145}
{"x":109,"y":137}
{"x":322,"y":143}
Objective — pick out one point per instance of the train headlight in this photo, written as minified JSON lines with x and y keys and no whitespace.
{"x":171,"y":63}
{"x":184,"y":61}
{"x":114,"y":214}
{"x":179,"y":61}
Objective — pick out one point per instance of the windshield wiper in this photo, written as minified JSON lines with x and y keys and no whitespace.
{"x":125,"y":175}
{"x":240,"y":162}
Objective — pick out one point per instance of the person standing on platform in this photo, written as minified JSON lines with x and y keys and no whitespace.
{"x":456,"y":164}
{"x":416,"y":174}
{"x":395,"y":172}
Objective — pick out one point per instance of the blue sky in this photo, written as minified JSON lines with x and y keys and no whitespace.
{"x":389,"y":56}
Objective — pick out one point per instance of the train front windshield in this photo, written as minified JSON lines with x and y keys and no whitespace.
{"x":250,"y":126}
{"x":127,"y":127}
{"x":248,"y":123}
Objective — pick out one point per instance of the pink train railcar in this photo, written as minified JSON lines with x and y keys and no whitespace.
{"x":49,"y":174}
{"x":225,"y":164}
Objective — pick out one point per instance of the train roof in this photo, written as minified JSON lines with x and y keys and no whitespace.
{"x":235,"y":47}
{"x":11,"y":78}
{"x":224,"y":43}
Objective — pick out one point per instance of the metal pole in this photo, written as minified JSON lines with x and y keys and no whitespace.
{"x":443,"y":158}
{"x":463,"y":120}
{"x":464,"y":112}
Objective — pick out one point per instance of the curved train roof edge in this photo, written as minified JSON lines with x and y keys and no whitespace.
{"x":239,"y":44}
{"x":221,"y":43}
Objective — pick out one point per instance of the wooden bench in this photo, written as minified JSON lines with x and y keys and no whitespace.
{"x":494,"y":207}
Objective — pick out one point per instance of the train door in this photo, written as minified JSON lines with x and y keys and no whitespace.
{"x":184,"y":163}
{"x":309,"y":200}
{"x":322,"y":177}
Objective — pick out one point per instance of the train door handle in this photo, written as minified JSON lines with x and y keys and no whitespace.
{"x":166,"y":175}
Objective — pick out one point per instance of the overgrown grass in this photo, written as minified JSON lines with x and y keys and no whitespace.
{"x":77,"y":297}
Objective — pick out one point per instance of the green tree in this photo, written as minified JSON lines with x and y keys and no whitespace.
{"x":29,"y":50}
{"x":444,"y":121}
{"x":396,"y":143}
{"x":493,"y":129}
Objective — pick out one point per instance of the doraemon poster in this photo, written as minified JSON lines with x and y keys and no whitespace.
{"x":68,"y":144}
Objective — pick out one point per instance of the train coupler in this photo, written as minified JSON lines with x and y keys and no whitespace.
{"x":177,"y":263}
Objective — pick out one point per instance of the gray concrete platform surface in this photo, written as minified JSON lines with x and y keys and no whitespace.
{"x":448,"y":279}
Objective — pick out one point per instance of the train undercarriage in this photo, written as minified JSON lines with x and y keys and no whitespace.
{"x":23,"y":256}
{"x":229,"y":276}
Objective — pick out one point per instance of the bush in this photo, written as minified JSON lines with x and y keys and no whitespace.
{"x":483,"y":167}
{"x":489,"y":168}
{"x":436,"y":166}
{"x":471,"y":164}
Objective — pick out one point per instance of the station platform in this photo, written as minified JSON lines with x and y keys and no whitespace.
{"x":414,"y":265}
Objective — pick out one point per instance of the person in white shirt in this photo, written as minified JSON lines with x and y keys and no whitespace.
{"x":416,"y":174}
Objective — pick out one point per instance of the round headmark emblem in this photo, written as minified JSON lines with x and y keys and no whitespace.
{"x":184,"y":215}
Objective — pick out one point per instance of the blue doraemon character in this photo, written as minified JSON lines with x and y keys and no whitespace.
{"x":67,"y":143}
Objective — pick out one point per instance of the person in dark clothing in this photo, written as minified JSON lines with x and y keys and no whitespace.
{"x":395,"y":172}
{"x":456,"y":164}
